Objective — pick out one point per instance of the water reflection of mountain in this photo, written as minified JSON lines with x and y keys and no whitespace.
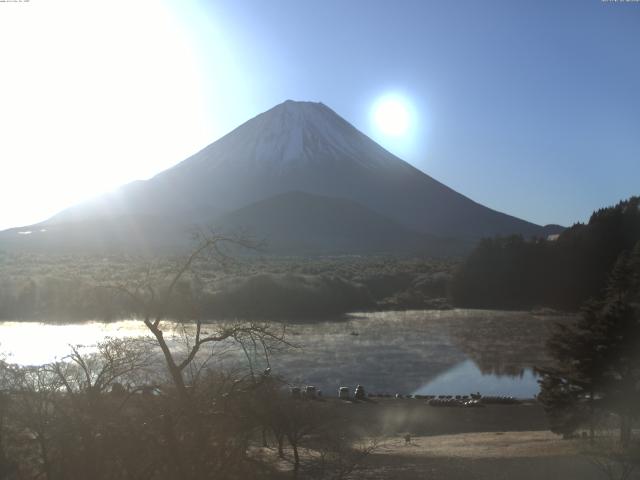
{"x":503,"y":343}
{"x":401,"y":351}
{"x":466,"y":378}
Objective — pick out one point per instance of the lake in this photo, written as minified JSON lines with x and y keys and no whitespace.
{"x":427,"y":352}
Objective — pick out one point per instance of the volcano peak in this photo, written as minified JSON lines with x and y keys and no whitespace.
{"x":305,"y":147}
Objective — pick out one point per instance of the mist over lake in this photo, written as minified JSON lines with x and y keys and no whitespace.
{"x":424,"y":351}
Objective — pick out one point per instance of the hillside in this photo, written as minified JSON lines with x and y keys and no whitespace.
{"x":302,"y":223}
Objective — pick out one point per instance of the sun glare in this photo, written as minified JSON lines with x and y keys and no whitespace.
{"x":93,"y":95}
{"x":392,"y":115}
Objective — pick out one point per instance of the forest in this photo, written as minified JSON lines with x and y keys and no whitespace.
{"x":64,"y":288}
{"x":563,"y":272}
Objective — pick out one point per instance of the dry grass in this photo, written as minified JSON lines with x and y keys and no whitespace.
{"x":483,"y":445}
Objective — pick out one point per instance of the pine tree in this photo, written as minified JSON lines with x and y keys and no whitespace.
{"x":598,"y":358}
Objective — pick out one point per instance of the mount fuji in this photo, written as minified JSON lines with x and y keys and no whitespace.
{"x":294,"y":169}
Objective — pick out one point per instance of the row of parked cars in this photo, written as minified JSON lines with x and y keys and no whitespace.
{"x":310,"y":391}
{"x":344,"y":393}
{"x":306,"y":392}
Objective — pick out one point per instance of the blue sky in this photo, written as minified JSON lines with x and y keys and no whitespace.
{"x":529,"y":107}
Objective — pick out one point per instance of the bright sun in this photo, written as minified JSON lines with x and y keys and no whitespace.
{"x":392,"y":115}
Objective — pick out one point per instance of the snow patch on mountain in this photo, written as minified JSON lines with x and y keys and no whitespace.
{"x":293,"y":135}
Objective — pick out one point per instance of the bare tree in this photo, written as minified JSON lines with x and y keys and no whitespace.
{"x":63,"y":404}
{"x":341,"y":453}
{"x":336,"y":448}
{"x":614,"y":460}
{"x":91,"y":373}
{"x":29,"y":395}
{"x":152,"y":296}
{"x":203,"y":429}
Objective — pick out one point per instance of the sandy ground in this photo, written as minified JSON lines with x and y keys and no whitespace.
{"x":507,"y":442}
{"x":482,"y":445}
{"x":486,"y":455}
{"x":483,"y":456}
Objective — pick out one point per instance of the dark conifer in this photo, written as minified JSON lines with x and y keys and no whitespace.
{"x":598,"y":358}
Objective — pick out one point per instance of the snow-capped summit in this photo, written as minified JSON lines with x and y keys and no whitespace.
{"x":291,"y":135}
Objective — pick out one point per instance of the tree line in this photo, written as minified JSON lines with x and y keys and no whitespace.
{"x":72,"y":287}
{"x":597,"y":358}
{"x":514,"y":272}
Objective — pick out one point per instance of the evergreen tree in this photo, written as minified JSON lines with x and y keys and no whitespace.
{"x":598,"y":358}
{"x":514,"y":272}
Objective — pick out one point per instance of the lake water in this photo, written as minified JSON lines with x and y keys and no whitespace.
{"x":466,"y":377}
{"x":428,"y":352}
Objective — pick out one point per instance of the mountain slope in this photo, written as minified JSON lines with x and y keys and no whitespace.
{"x":302,"y":223}
{"x":304,"y":147}
{"x":141,"y":234}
